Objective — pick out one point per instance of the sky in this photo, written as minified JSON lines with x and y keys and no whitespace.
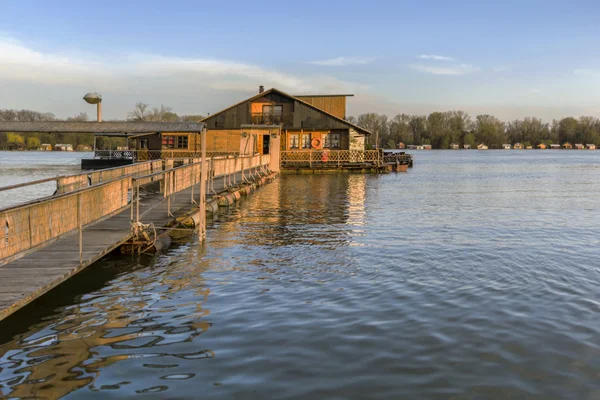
{"x":511,"y":59}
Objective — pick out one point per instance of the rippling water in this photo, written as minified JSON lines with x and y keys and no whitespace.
{"x":25,"y":166}
{"x":474,"y":275}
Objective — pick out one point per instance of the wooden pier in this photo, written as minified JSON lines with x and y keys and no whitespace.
{"x":29,"y":269}
{"x":46,"y":241}
{"x":323,"y":161}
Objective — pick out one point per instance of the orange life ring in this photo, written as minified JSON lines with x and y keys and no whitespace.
{"x":316,"y":143}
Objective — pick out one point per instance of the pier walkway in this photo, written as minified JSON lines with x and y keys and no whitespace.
{"x":44,"y":242}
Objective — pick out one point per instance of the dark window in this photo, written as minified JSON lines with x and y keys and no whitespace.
{"x":306,"y":141}
{"x":332,"y":140}
{"x":175,"y":142}
{"x":294,"y":141}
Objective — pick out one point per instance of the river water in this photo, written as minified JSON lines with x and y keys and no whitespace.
{"x":474,"y":275}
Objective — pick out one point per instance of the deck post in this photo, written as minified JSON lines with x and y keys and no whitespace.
{"x":80,"y":227}
{"x":137,"y":214}
{"x":310,"y":158}
{"x":203,"y":187}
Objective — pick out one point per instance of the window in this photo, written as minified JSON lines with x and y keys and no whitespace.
{"x":272,"y":114}
{"x":174,"y":142}
{"x":306,"y":141}
{"x":294,"y":141}
{"x":143,"y":143}
{"x":182,"y":142}
{"x":332,"y":140}
{"x":273,"y":110}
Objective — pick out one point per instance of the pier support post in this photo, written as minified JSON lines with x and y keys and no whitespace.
{"x":80,"y":227}
{"x":203,"y":187}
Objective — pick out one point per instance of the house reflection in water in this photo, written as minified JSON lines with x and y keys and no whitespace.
{"x":300,"y":210}
{"x":130,"y":318}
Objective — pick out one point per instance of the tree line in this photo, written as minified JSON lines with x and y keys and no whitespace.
{"x":440,"y":129}
{"x":34,"y":140}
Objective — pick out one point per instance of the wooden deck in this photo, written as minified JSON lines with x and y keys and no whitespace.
{"x":29,"y":277}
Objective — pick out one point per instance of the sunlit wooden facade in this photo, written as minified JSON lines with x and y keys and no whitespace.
{"x":297,"y":121}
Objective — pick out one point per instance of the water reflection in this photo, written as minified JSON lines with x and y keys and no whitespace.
{"x":472,"y":276}
{"x":138,"y":316}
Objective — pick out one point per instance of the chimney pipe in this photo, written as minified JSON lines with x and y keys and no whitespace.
{"x":261,"y":89}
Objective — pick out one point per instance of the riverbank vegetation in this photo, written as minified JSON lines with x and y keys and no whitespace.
{"x":33,"y":141}
{"x":439,"y":129}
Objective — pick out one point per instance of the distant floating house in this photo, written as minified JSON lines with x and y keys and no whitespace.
{"x":454,"y":146}
{"x":84,"y":147}
{"x":541,"y":146}
{"x":411,"y":147}
{"x":506,"y":146}
{"x":15,"y":146}
{"x":530,"y":147}
{"x":419,"y":147}
{"x":426,"y":147}
{"x":555,"y":146}
{"x":63,"y":147}
{"x":482,"y":147}
{"x":518,"y":146}
{"x":590,"y":146}
{"x":579,"y":146}
{"x":46,"y":147}
{"x":401,"y":145}
{"x":567,"y":145}
{"x":466,"y":146}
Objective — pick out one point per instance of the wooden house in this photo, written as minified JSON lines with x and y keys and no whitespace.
{"x":296,"y":123}
{"x":426,"y":147}
{"x":482,"y":146}
{"x":541,"y":146}
{"x":466,"y":146}
{"x":528,"y":147}
{"x":567,"y":145}
{"x":411,"y":147}
{"x":454,"y":146}
{"x":168,"y":142}
{"x":506,"y":146}
{"x":590,"y":146}
{"x":401,"y":145}
{"x":46,"y":147}
{"x":555,"y":146}
{"x":518,"y":146}
{"x":579,"y":146}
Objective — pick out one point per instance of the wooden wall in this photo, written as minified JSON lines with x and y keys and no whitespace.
{"x":315,"y":133}
{"x":335,"y":105}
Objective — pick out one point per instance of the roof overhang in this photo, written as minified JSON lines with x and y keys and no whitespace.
{"x":99,"y":128}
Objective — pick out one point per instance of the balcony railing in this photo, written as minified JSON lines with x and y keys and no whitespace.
{"x":147,"y":155}
{"x":331,"y":157}
{"x":286,"y":119}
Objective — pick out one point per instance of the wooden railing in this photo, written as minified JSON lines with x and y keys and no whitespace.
{"x":148,"y":155}
{"x":89,"y":197}
{"x":331,"y":157}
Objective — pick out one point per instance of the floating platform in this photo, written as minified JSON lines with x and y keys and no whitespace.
{"x":104,"y":163}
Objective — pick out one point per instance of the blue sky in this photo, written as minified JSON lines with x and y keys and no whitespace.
{"x":510,"y":58}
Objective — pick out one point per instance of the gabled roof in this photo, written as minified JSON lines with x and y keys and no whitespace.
{"x":279,"y":92}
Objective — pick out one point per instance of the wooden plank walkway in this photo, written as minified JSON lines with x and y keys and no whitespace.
{"x":29,"y":277}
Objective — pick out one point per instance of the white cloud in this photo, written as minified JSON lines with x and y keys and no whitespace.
{"x":19,"y":62}
{"x":140,"y":77}
{"x":458,"y":69}
{"x":500,"y":68}
{"x":435,"y":57}
{"x":343,"y":61}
